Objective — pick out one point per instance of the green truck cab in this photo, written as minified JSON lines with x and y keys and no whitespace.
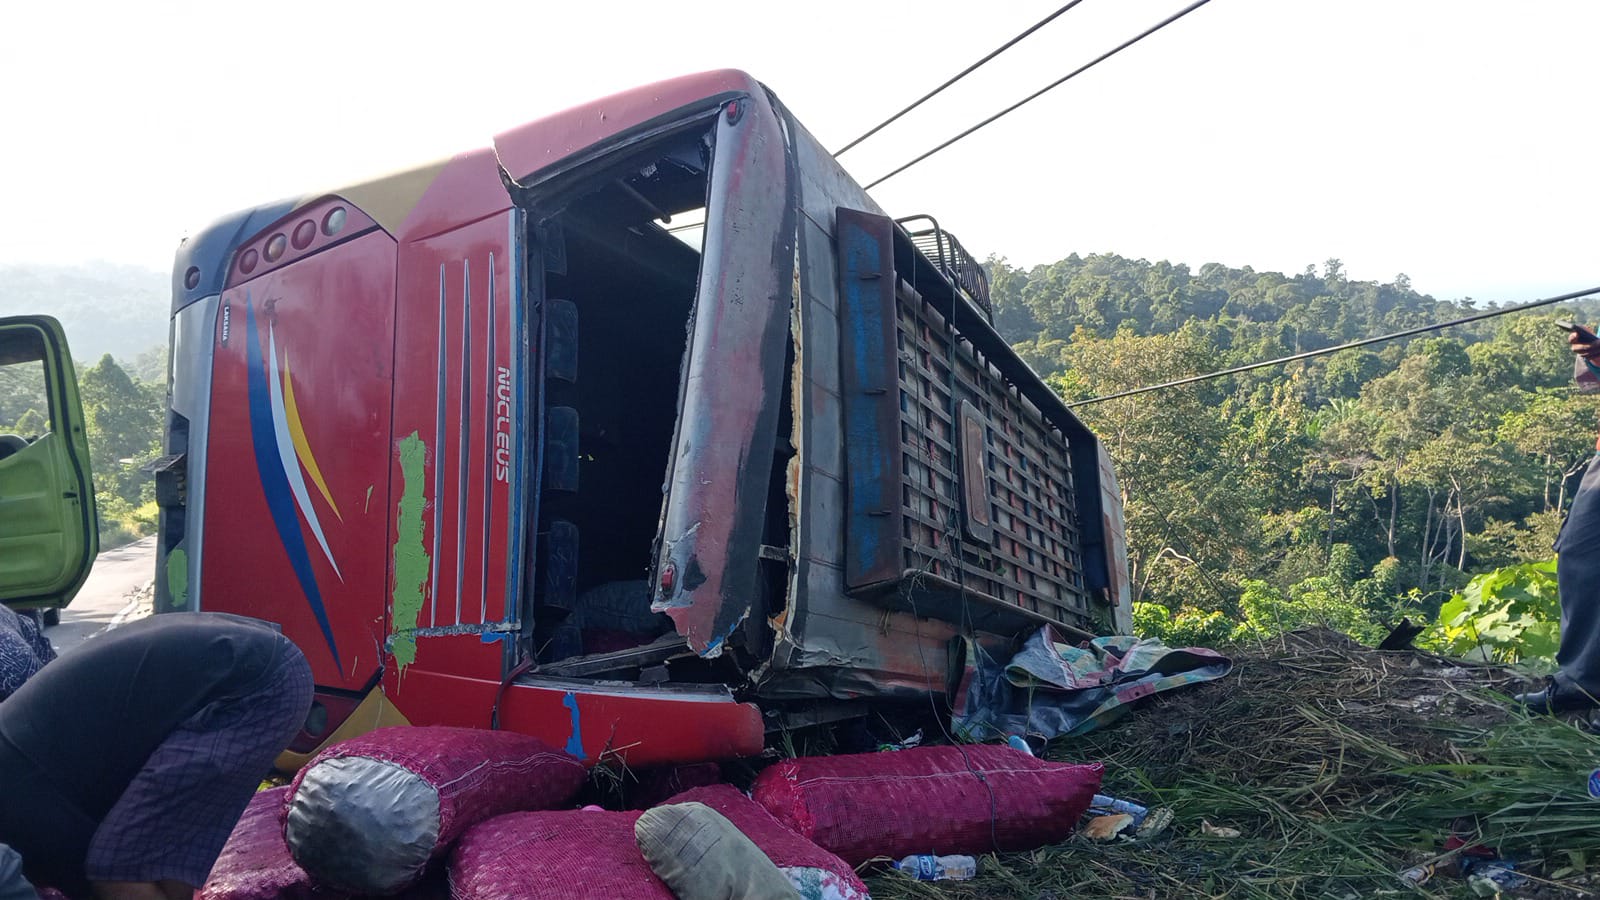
{"x":48,"y":533}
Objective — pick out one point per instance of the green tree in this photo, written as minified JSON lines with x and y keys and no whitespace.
{"x":124,"y":427}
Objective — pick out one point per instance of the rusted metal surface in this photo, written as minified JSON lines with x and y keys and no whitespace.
{"x":946,"y":253}
{"x":975,"y":502}
{"x":1114,"y":548}
{"x":1032,"y":559}
{"x":871,"y":399}
{"x":889,"y":642}
{"x":723,"y":451}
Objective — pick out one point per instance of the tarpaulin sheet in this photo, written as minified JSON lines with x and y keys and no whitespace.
{"x":939,"y":800}
{"x":565,"y":855}
{"x":1052,"y":688}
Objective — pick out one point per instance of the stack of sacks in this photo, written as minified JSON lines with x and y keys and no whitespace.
{"x":368,"y":815}
{"x":566,"y":855}
{"x":813,"y":871}
{"x":255,"y":863}
{"x":948,"y":800}
{"x":707,"y":843}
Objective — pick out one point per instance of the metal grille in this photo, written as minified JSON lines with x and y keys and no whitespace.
{"x":1031,"y":558}
{"x":946,"y":253}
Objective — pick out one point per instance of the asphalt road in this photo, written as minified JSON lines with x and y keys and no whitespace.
{"x":117,"y":590}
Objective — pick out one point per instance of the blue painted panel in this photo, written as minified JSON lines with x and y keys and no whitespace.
{"x":871,"y":395}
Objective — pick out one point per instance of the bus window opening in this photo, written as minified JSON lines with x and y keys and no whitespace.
{"x":631,"y":280}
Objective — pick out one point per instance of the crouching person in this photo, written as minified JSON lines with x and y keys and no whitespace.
{"x":125,"y":764}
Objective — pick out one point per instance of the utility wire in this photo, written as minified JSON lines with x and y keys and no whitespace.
{"x":958,"y":76}
{"x":1051,"y":86}
{"x":1349,"y":346}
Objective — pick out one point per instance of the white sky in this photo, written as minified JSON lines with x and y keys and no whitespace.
{"x":1448,"y":139}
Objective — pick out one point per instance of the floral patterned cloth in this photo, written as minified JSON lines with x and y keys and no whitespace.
{"x":23,"y":650}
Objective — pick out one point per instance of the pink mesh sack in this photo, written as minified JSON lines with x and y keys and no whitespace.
{"x":969,"y":799}
{"x":367,"y":815}
{"x":566,"y":855}
{"x":255,"y":863}
{"x":787,"y":849}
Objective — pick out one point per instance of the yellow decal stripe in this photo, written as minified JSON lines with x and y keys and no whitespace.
{"x":302,"y":447}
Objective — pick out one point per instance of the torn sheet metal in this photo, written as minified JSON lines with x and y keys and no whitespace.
{"x":727,"y":426}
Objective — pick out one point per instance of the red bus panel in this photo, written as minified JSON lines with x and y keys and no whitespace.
{"x":297,"y":478}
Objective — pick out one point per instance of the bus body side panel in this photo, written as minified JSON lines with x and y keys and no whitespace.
{"x":636,"y":725}
{"x":831,"y":644}
{"x":557,"y":142}
{"x":455,"y":442}
{"x":296,"y":478}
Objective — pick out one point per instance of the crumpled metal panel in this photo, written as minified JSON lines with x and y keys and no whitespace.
{"x":715,"y":510}
{"x":1119,"y":591}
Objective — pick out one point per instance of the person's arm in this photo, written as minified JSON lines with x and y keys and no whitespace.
{"x":12,"y":885}
{"x":1586,"y":347}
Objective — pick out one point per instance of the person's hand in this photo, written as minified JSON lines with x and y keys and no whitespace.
{"x":1583,"y":343}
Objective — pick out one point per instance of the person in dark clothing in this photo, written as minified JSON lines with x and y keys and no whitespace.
{"x":1576,"y":684}
{"x":125,"y":763}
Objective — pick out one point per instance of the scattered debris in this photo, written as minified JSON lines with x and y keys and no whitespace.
{"x":1108,"y":827}
{"x":914,"y":740}
{"x":1155,"y":824}
{"x":1053,"y":687}
{"x":1342,"y":767}
{"x":926,"y":867}
{"x":1419,"y":875}
{"x":1103,"y":804}
{"x":1219,"y":831}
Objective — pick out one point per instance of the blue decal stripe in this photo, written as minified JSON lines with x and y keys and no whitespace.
{"x":274,"y":483}
{"x":575,"y":742}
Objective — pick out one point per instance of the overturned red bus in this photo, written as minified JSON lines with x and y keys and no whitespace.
{"x":498,"y":440}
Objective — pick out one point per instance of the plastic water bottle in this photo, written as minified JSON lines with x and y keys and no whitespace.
{"x":1105,"y":805}
{"x":928,"y":867}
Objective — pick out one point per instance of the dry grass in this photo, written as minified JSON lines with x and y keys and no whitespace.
{"x":1342,"y":766}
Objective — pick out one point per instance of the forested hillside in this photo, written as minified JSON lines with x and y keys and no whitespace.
{"x":1350,"y":489}
{"x":106,"y":308}
{"x":107,"y":311}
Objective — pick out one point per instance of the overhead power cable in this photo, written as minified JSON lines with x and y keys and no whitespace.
{"x":957,"y":77}
{"x":1423,"y":329}
{"x":1051,"y":86}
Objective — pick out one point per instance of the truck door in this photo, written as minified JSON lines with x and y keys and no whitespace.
{"x":48,"y":537}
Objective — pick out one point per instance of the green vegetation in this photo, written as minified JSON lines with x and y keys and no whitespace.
{"x":1348,"y":490}
{"x":1510,"y":615}
{"x":124,"y":420}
